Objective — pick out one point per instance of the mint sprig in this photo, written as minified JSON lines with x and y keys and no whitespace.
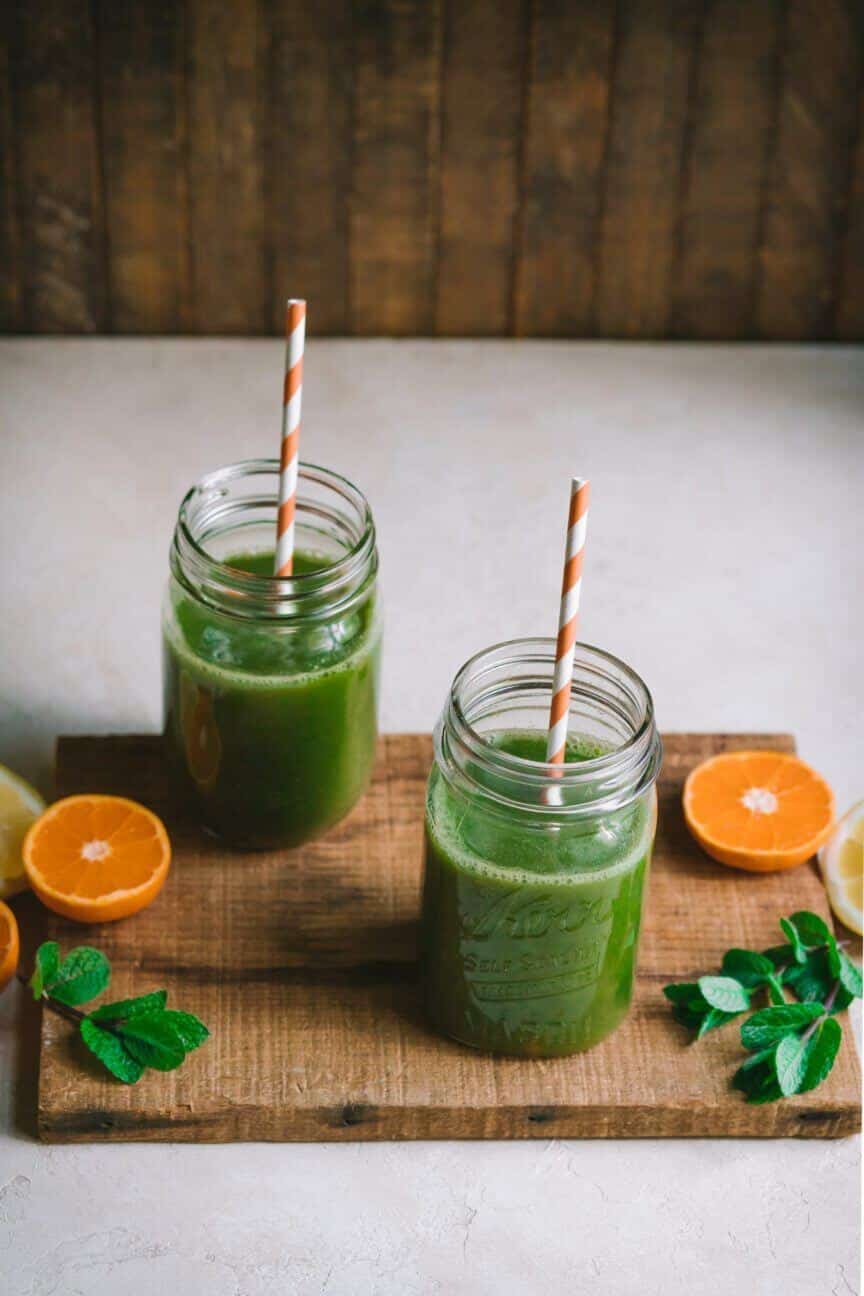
{"x":793,"y":1045}
{"x":127,"y":1036}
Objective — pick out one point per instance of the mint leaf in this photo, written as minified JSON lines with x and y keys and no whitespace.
{"x":713,"y":1018}
{"x":757,"y":1077}
{"x":125,"y":1008}
{"x":771,"y":1024}
{"x":791,"y":1063}
{"x":822,"y":1049}
{"x":681,"y":992}
{"x":153,"y":1040}
{"x":748,"y":967}
{"x":783,"y":958}
{"x":690,"y":1017}
{"x":725,"y":993}
{"x":790,"y":931}
{"x":110,"y":1052}
{"x":811,"y":929}
{"x":779,"y":954}
{"x":83,"y":974}
{"x":190,"y":1031}
{"x":849,"y":974}
{"x":689,"y":1007}
{"x":775,"y":991}
{"x":814,"y":981}
{"x":45,"y":971}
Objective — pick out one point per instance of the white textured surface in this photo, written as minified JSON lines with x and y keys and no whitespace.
{"x":725,"y":563}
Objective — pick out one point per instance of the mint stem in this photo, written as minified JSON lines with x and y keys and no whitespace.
{"x":62,"y":1010}
{"x":827,"y":1006}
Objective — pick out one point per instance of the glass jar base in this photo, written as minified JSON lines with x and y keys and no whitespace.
{"x":527,"y":1049}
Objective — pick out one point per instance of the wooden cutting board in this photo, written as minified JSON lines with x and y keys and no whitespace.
{"x":302,"y":963}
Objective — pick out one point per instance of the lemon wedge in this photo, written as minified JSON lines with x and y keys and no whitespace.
{"x":20,"y":804}
{"x":842,"y":861}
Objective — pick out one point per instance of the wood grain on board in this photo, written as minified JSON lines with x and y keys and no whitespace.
{"x":302,"y":963}
{"x":555,"y":168}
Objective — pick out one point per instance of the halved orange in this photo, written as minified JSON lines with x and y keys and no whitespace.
{"x":758,"y":810}
{"x":8,"y":945}
{"x":97,"y":858}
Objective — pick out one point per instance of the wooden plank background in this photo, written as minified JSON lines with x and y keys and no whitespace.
{"x":549,"y":168}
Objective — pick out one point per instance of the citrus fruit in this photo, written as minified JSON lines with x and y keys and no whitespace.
{"x":97,"y":858}
{"x":842,"y":861}
{"x":20,"y":804}
{"x":758,"y":810}
{"x":8,"y":945}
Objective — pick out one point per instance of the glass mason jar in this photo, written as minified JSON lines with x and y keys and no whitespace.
{"x":271,"y":683}
{"x":535,"y":874}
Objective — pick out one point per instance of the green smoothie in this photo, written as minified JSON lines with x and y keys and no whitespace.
{"x":530,"y":930}
{"x":271,"y":729}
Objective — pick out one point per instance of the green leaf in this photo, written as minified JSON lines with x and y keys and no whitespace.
{"x":822,"y":1049}
{"x":790,"y":931}
{"x":768,"y":1091}
{"x":780,"y":955}
{"x":689,"y":1017}
{"x":153,"y":1040}
{"x":814,"y":981}
{"x":849,"y":975}
{"x":812,"y":930}
{"x":791,"y":1063}
{"x":755,"y":1060}
{"x":775,"y":992}
{"x":189,"y":1029}
{"x":757,"y":1077}
{"x":45,"y":971}
{"x":689,"y":1008}
{"x":771,"y":1024}
{"x":83,"y":974}
{"x":681,"y":992}
{"x":125,"y":1008}
{"x":110,"y":1052}
{"x":748,"y":967}
{"x":725,"y":993}
{"x":712,"y":1019}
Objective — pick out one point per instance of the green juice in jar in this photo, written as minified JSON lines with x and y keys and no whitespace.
{"x":270,"y":709}
{"x":530,"y":942}
{"x":274,"y":740}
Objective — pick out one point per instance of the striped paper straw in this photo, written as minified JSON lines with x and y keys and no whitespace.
{"x":568,"y":619}
{"x":295,"y":329}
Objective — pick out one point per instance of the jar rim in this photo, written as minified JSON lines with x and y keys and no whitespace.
{"x":620,"y":775}
{"x":237,"y":592}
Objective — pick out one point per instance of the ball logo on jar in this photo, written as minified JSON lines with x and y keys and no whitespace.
{"x":526,"y":918}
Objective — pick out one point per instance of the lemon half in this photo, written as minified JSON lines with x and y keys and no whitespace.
{"x":842,"y":861}
{"x":20,"y":804}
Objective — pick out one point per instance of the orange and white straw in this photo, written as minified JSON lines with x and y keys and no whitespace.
{"x":568,"y":620}
{"x":295,"y":329}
